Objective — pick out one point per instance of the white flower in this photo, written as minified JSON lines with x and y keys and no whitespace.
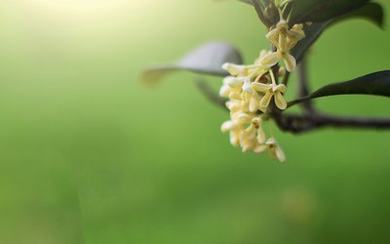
{"x":251,"y":101}
{"x":231,"y":87}
{"x":267,"y":59}
{"x":234,"y":105}
{"x":281,"y":55}
{"x":252,"y":136}
{"x":273,"y":148}
{"x":285,"y":39}
{"x":236,"y":70}
{"x":271,"y":90}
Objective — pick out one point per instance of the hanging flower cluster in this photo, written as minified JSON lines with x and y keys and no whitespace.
{"x":252,"y":88}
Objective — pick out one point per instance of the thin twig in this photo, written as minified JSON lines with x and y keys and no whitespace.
{"x":286,"y":78}
{"x":209,"y":93}
{"x":298,"y":101}
{"x":303,"y":88}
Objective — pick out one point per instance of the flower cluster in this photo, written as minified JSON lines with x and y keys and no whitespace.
{"x":252,"y":88}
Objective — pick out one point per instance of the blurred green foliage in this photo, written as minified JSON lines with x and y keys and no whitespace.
{"x":88,"y":155}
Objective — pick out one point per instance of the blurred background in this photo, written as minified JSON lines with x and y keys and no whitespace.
{"x":89,"y":155}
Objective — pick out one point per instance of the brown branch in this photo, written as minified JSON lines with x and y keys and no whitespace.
{"x":298,"y":124}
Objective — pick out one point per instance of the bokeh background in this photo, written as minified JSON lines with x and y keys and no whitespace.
{"x":89,"y":155}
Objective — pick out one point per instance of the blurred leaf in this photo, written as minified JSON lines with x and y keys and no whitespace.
{"x":322,"y":10}
{"x":377,"y":84}
{"x":312,"y":33}
{"x":261,"y":10}
{"x":372,"y":11}
{"x":266,"y":11}
{"x":319,"y":10}
{"x":246,"y":1}
{"x":206,"y":59}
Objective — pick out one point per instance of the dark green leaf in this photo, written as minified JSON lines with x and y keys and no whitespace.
{"x":377,"y":84}
{"x":207,"y":59}
{"x":312,"y":33}
{"x":371,"y":11}
{"x":266,"y":11}
{"x":260,"y":7}
{"x":322,"y":10}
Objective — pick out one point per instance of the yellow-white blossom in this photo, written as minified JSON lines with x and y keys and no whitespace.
{"x":236,"y":126}
{"x":273,"y":148}
{"x":271,"y":90}
{"x":250,"y":89}
{"x":285,"y":39}
{"x":252,"y":136}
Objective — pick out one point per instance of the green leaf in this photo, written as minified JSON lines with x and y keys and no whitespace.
{"x":319,"y":10}
{"x":312,"y":33}
{"x":377,"y":84}
{"x":262,"y":8}
{"x":206,"y":59}
{"x":372,"y":11}
{"x":322,"y":10}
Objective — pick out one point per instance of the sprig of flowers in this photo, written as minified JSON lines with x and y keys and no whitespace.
{"x":251,"y":89}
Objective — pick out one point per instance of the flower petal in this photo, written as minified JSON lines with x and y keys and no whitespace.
{"x":260,"y":87}
{"x":225,"y":91}
{"x":243,"y":118}
{"x":279,"y":154}
{"x":233,"y":106}
{"x":253,"y":104}
{"x":272,"y":36}
{"x":290,"y":62}
{"x":235,"y":137}
{"x":283,"y":44}
{"x":235,"y":95}
{"x":247,"y":87}
{"x":280,"y":88}
{"x":260,"y":148}
{"x":280,"y":101}
{"x":296,"y":33}
{"x":227,"y":126}
{"x":233,"y":82}
{"x":261,"y":137}
{"x":264,"y":102}
{"x":234,"y":69}
{"x":270,"y":59}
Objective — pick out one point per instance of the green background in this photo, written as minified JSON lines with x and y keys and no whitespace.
{"x":89,"y":155}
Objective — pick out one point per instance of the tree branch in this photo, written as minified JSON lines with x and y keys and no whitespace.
{"x":298,"y":124}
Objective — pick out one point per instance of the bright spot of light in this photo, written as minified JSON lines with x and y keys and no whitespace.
{"x":78,"y":10}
